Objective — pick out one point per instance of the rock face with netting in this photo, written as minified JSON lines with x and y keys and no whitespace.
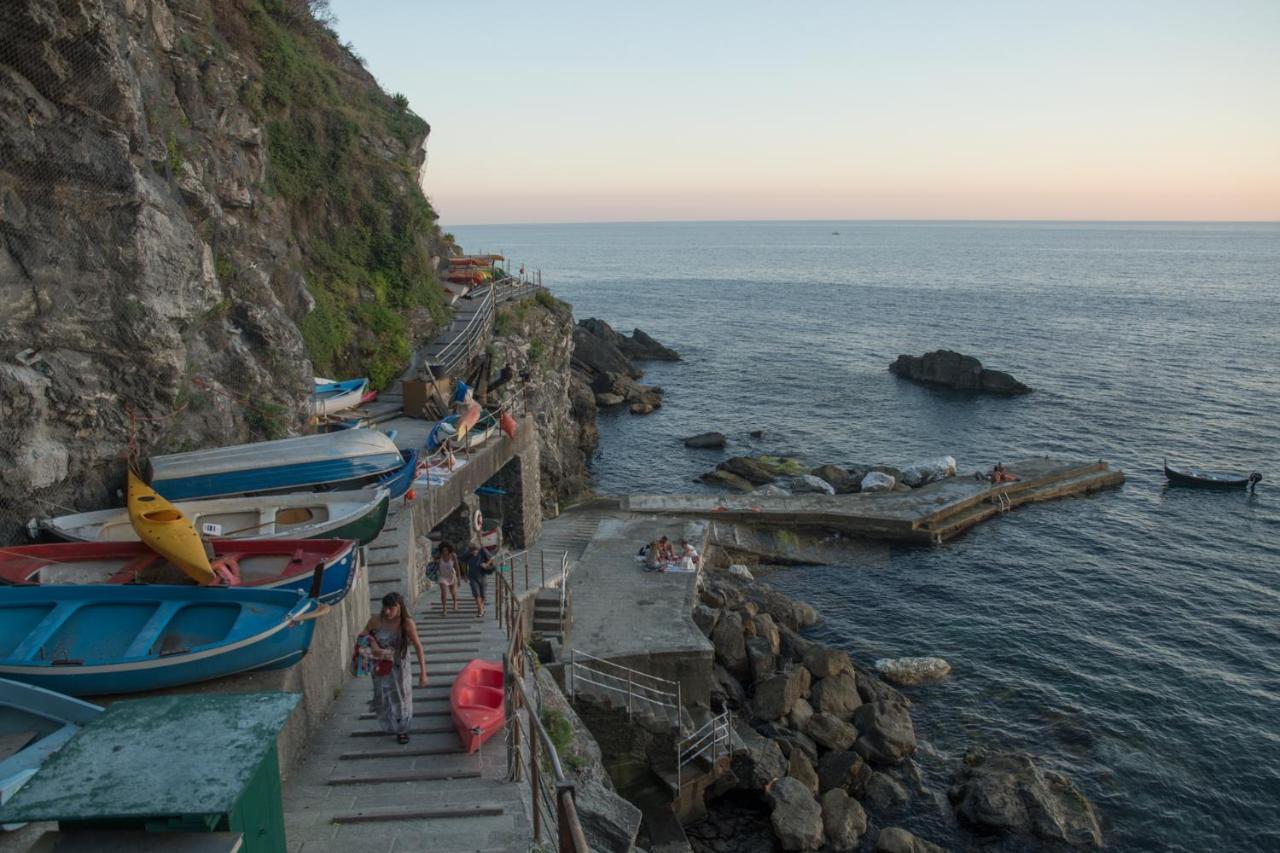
{"x":203,"y":203}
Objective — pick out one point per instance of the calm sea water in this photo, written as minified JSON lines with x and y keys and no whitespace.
{"x":1132,"y":639}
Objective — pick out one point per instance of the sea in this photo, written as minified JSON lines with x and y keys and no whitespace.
{"x":1131,"y":639}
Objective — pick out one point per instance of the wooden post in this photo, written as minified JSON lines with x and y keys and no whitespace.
{"x":535,"y":785}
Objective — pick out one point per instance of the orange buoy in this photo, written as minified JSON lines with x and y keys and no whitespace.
{"x":507,"y":424}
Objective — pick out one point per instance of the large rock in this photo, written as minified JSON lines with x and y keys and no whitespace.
{"x":844,"y":770}
{"x":790,"y":644}
{"x":809,"y":484}
{"x":728,"y":479}
{"x":705,"y":618}
{"x":638,"y":346}
{"x":754,"y":759}
{"x":894,"y":839}
{"x":726,"y":691}
{"x":885,"y":732}
{"x":801,"y":711}
{"x":948,"y":369}
{"x":843,"y":820}
{"x":1007,"y":792}
{"x":765,"y":628}
{"x":885,"y":794}
{"x":912,"y":671}
{"x":840,"y":479}
{"x":872,"y":689}
{"x":796,"y":816}
{"x":594,"y":355}
{"x":706,"y":440}
{"x":761,"y":660}
{"x":800,"y":768}
{"x":824,"y":662}
{"x":730,"y":645}
{"x":749,"y":469}
{"x":836,"y":695}
{"x":830,"y":732}
{"x":775,"y":695}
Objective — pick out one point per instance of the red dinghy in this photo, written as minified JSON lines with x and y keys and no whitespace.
{"x":477,"y":703}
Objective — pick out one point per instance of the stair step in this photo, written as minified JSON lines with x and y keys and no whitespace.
{"x":381,"y":815}
{"x":414,"y":752}
{"x":421,"y":730}
{"x":405,"y":776}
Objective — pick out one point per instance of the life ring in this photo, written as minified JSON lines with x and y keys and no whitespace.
{"x":477,"y":521}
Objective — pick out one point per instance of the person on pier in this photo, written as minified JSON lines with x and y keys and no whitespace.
{"x":447,"y":576}
{"x":999,"y":474}
{"x":479,"y":566}
{"x":391,"y":631}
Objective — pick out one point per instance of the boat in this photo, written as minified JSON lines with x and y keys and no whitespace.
{"x":397,"y":482}
{"x":448,"y":430}
{"x":476,"y":702}
{"x":1180,"y":476}
{"x":34,"y":724}
{"x":357,"y":515}
{"x":330,"y":397}
{"x":322,"y":568}
{"x":467,"y":420}
{"x":164,"y":529}
{"x":349,"y":459}
{"x":94,"y":640}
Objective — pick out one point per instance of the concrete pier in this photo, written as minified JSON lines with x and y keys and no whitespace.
{"x":930,"y":514}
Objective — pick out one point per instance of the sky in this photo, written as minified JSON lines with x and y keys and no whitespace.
{"x":704,"y":110}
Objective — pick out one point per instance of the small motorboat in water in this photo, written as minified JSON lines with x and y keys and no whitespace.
{"x":1209,"y":479}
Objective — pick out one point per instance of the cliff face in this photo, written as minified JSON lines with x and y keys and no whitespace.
{"x":202,"y":204}
{"x":535,"y":338}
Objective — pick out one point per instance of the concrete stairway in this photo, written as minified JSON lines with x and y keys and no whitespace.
{"x":574,"y":528}
{"x":360,"y":790}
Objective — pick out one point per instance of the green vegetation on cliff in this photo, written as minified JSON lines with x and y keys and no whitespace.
{"x":343,"y":156}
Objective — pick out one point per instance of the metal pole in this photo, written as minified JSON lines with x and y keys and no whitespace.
{"x":536,"y":789}
{"x":628,"y":695}
{"x":542,"y":561}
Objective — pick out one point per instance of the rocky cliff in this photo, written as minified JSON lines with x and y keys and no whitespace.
{"x":202,"y":204}
{"x":535,"y":337}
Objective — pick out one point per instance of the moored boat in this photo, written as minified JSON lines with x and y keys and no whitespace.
{"x":1183,"y":476}
{"x":95,"y":640}
{"x":358,"y":515}
{"x":322,"y":568}
{"x":330,"y":397}
{"x":34,"y":724}
{"x":398,"y":481}
{"x":346,"y":458}
{"x":165,"y":530}
{"x":476,"y":702}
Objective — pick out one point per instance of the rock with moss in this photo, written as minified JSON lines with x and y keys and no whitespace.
{"x":1008,"y":792}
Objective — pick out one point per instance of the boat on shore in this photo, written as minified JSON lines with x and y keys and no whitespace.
{"x":346,"y":459}
{"x":96,"y":640}
{"x":34,"y":724}
{"x":476,"y":702}
{"x":165,"y":530}
{"x":321,"y":568}
{"x":330,"y":397}
{"x":1183,"y":476}
{"x":358,"y":515}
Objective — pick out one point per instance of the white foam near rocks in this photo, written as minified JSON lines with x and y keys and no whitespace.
{"x":912,"y":671}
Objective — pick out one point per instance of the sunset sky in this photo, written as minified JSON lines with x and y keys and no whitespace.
{"x":580,"y":112}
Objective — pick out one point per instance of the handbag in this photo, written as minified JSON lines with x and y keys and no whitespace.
{"x":362,"y":657}
{"x":382,"y":668}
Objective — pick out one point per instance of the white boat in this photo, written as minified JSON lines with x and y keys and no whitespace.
{"x":331,"y":397}
{"x":300,"y":515}
{"x":34,"y":724}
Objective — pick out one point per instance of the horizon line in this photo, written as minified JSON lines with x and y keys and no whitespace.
{"x":910,"y":221}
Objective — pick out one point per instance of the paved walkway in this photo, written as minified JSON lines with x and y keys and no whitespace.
{"x":360,"y":790}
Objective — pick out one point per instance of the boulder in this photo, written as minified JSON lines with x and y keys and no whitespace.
{"x":607,"y":400}
{"x":730,"y":645}
{"x":929,"y":471}
{"x":1007,"y":792}
{"x":727,"y":691}
{"x":841,"y":481}
{"x":711,"y":595}
{"x":796,"y":817}
{"x":761,"y":662}
{"x":806,"y":614}
{"x":754,"y":759}
{"x":641,"y":347}
{"x":800,"y":768}
{"x":595,"y":355}
{"x":844,"y":770}
{"x":749,"y":469}
{"x":894,"y":839}
{"x":949,"y":369}
{"x":766,"y":628}
{"x":706,"y":440}
{"x":801,"y":711}
{"x":877,"y":481}
{"x":771,"y":490}
{"x":872,"y":689}
{"x":740,"y":571}
{"x":728,"y":479}
{"x":791,"y":644}
{"x":885,"y":732}
{"x":705,"y":618}
{"x":781,"y":608}
{"x":836,"y":695}
{"x":824,"y":662}
{"x":809,"y":484}
{"x":884,"y":793}
{"x":830,"y":732}
{"x":912,"y":671}
{"x":776,"y":695}
{"x":843,"y":820}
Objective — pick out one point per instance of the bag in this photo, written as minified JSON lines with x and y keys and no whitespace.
{"x":362,"y":657}
{"x":382,"y":668}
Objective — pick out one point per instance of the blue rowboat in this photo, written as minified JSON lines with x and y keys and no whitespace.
{"x":332,"y":397}
{"x":397,"y":482}
{"x":329,"y":386}
{"x":95,"y":640}
{"x":34,"y":724}
{"x":347,"y":459}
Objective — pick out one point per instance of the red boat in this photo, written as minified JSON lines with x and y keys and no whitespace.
{"x":258,"y":563}
{"x":477,"y":703}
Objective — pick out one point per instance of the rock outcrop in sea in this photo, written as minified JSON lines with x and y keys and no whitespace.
{"x":603,"y":358}
{"x":948,"y":369}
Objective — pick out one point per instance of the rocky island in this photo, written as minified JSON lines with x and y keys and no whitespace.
{"x":947,"y":369}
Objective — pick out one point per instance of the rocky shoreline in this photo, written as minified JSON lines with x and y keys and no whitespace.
{"x":823,"y":748}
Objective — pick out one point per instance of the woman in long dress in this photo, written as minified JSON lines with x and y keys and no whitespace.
{"x":392,"y":632}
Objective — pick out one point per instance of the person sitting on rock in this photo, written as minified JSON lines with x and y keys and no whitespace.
{"x":1000,"y":475}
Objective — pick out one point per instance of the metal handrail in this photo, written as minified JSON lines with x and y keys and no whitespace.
{"x":455,"y":354}
{"x":711,"y":738}
{"x":644,"y":675}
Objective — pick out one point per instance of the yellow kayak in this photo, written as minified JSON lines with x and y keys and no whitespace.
{"x":167,"y":531}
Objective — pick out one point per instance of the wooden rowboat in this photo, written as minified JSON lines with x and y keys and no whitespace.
{"x":331,"y":397}
{"x":1209,"y":479}
{"x":476,"y":702}
{"x":94,"y":640}
{"x":357,"y":515}
{"x":34,"y":724}
{"x":322,"y":568}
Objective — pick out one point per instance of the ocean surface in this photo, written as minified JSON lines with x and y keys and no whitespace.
{"x":1130,"y":639}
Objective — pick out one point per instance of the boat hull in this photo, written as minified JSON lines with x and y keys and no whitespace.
{"x":477,"y":703}
{"x":50,"y":718}
{"x":167,"y":531}
{"x":1205,"y":479}
{"x":99,"y":640}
